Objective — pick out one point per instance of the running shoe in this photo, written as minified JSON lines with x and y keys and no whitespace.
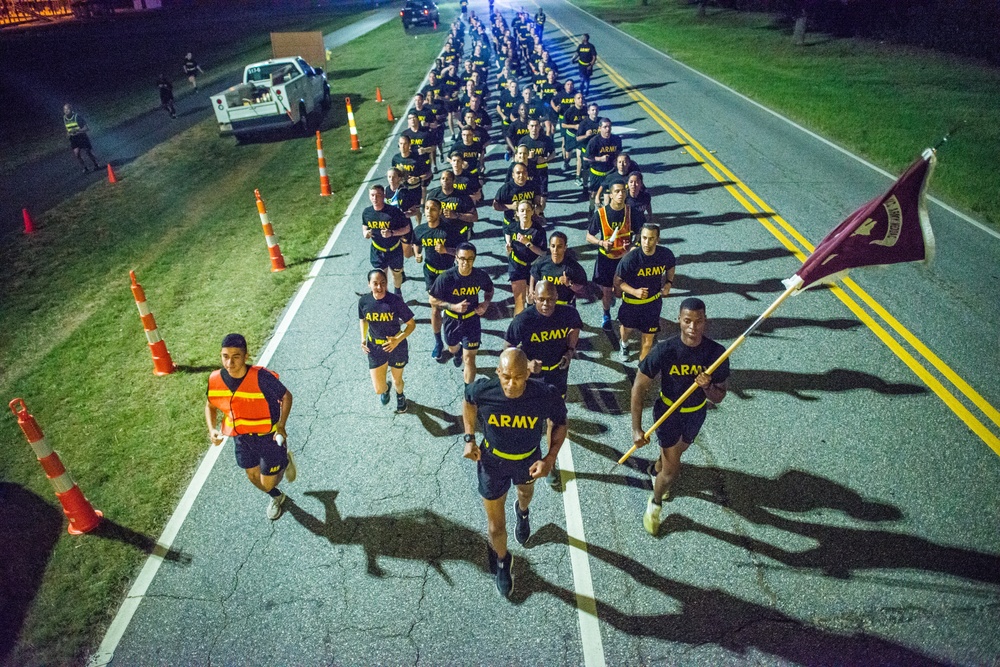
{"x":274,"y":509}
{"x":505,"y":578}
{"x":522,"y":530}
{"x":438,"y":349}
{"x":457,"y":359}
{"x":651,"y":519}
{"x":384,"y":397}
{"x":623,"y":349}
{"x":400,"y":404}
{"x":291,"y":472}
{"x":606,"y":321}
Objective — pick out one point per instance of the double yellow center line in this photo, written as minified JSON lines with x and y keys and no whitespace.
{"x":848,"y":291}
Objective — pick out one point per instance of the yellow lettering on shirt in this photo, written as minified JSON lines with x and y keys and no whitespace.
{"x":465,"y":291}
{"x":512,"y":421}
{"x":552,"y":334}
{"x":685,"y":369}
{"x":378,"y":317}
{"x":652,"y":271}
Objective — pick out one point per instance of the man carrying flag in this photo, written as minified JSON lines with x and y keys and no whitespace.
{"x":890,"y":229}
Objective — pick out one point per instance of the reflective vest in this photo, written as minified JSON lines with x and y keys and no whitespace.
{"x":72,"y":124}
{"x":244,"y":410}
{"x":617,"y":249}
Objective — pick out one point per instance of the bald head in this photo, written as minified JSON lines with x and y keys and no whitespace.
{"x":545,"y":289}
{"x":513,"y":361}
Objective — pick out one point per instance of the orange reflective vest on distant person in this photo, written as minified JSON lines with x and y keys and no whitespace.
{"x":617,"y":249}
{"x":244,"y":410}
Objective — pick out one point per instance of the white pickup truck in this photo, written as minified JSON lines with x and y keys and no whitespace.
{"x":277,"y":93}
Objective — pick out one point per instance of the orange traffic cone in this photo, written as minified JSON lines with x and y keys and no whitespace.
{"x":82,"y":516}
{"x":162,"y":363}
{"x":378,"y":94}
{"x":273,"y":249}
{"x":111,"y":175}
{"x":355,"y":146}
{"x":324,"y":180}
{"x":388,"y":114}
{"x":29,"y":226}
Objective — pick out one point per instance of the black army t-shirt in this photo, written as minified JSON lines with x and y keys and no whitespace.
{"x":452,"y":287}
{"x":542,"y":337}
{"x":515,"y":425}
{"x":546,"y":269}
{"x":385,"y":316}
{"x":638,"y":270}
{"x":678,"y":365}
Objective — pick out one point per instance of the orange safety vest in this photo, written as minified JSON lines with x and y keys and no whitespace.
{"x":617,"y":249}
{"x":244,"y":410}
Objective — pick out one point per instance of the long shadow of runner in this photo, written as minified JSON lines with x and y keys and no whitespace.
{"x":418,"y":535}
{"x":840,"y":551}
{"x":712,"y":616}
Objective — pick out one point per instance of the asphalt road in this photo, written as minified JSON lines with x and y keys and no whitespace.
{"x":41,"y":184}
{"x":836,"y":508}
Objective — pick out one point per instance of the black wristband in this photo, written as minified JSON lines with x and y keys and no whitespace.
{"x":469,"y":437}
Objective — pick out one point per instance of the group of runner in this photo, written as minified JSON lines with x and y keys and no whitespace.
{"x":427,"y":211}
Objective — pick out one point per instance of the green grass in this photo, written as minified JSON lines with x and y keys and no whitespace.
{"x":883,"y":102}
{"x":108,"y":88}
{"x":71,"y":343}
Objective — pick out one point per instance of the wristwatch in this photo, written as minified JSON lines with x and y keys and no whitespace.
{"x":469,"y":437}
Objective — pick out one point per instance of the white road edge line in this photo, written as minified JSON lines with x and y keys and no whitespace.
{"x":586,"y":605}
{"x":951,"y":209}
{"x":106,"y":651}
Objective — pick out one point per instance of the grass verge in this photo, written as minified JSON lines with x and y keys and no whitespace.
{"x":883,"y":102}
{"x":71,"y":343}
{"x":107,"y":86}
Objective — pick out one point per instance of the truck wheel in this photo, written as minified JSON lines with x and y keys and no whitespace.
{"x":303,"y":126}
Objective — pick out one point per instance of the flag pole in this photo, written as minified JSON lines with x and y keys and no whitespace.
{"x":796,"y":283}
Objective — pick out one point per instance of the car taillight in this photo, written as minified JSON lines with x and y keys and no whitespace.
{"x":400,"y":12}
{"x":426,"y":12}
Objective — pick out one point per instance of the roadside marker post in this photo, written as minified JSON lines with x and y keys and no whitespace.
{"x":324,"y":180}
{"x":82,"y":516}
{"x":355,"y":146}
{"x":273,"y":249}
{"x":162,"y":363}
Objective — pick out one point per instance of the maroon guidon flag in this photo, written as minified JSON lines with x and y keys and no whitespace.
{"x":890,"y":229}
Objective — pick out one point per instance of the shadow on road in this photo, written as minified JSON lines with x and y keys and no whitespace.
{"x":706,"y":616}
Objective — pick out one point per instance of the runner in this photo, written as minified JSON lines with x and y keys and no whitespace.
{"x":678,"y":361}
{"x":386,"y":321}
{"x":643,"y":278}
{"x":611,"y":229}
{"x":438,"y":239}
{"x":254,"y":407}
{"x":464,"y":293}
{"x":512,"y":410}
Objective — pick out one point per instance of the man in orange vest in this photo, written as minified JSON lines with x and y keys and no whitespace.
{"x":611,"y":229}
{"x":254,"y":406}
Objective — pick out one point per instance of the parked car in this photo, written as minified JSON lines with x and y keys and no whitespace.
{"x":419,"y":12}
